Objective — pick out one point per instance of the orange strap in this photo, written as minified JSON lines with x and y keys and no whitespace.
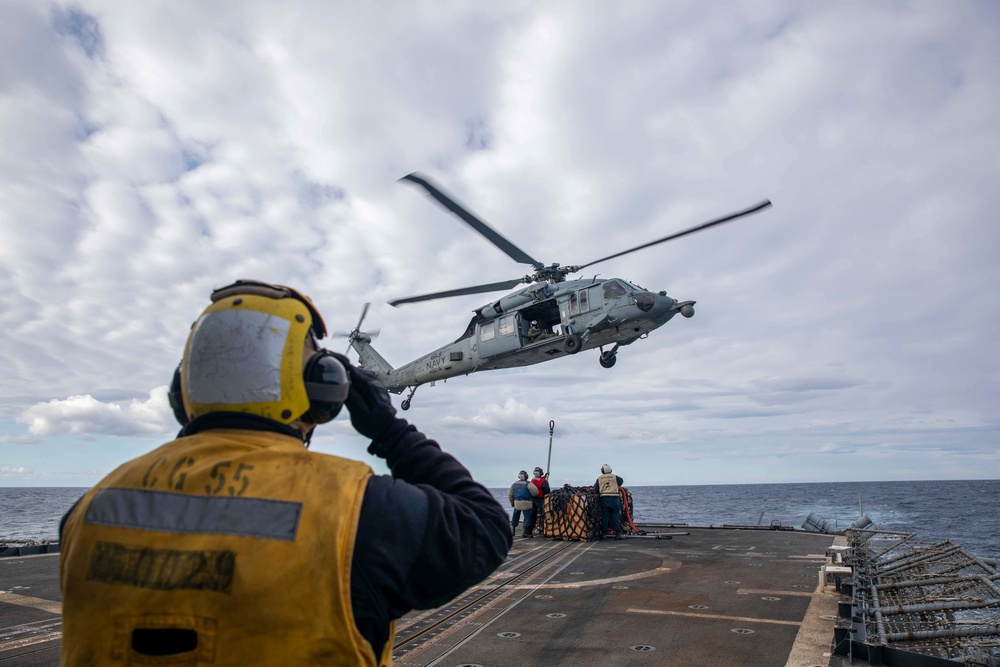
{"x":628,"y":512}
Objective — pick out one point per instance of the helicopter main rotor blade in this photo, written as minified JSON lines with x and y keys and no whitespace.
{"x":491,"y":234}
{"x":718,"y":221}
{"x":492,"y":287}
{"x":364,"y":311}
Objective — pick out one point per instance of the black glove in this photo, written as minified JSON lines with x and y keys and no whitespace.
{"x":371,"y":410}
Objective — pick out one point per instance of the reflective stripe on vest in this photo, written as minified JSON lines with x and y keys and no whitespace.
{"x":182,"y":513}
{"x":608,"y":484}
{"x":233,"y":547}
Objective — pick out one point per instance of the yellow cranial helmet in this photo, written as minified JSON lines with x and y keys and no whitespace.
{"x":245,"y":354}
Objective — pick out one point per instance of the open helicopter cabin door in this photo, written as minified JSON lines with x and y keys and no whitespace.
{"x":498,"y":336}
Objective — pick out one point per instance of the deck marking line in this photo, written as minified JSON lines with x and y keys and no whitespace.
{"x":601,"y":582}
{"x":722,"y":617}
{"x":12,"y":560}
{"x":37,"y":635}
{"x":508,"y":608}
{"x":28,"y":601}
{"x":756,"y":591}
{"x":31,"y":641}
{"x":469,"y":592}
{"x":435,"y":639}
{"x":28,"y":627}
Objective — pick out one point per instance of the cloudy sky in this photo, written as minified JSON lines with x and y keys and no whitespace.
{"x":155,"y":150}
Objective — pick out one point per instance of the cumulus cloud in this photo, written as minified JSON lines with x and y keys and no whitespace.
{"x":86,"y":416}
{"x":512,"y":417}
{"x":162,"y":151}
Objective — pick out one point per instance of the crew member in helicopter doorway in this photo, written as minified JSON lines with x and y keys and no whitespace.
{"x":607,"y":486}
{"x":520,"y":494}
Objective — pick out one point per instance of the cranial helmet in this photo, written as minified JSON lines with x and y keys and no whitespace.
{"x":523,"y":475}
{"x":537,"y":472}
{"x":245,"y":354}
{"x":605,"y":468}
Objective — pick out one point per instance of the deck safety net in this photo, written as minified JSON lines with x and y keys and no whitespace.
{"x":934,"y":599}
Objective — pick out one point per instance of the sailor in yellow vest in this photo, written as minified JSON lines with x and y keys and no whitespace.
{"x":235,"y":545}
{"x":606,"y":486}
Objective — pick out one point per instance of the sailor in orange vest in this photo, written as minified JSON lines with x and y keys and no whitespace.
{"x":606,"y":486}
{"x":235,"y":545}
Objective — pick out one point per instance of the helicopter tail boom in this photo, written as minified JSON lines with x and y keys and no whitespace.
{"x":368,"y":358}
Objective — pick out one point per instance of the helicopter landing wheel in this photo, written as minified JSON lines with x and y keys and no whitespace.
{"x":406,"y":401}
{"x":572,"y":344}
{"x":608,"y":360}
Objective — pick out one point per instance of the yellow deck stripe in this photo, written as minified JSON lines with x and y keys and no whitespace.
{"x":756,"y":591}
{"x":37,"y":603}
{"x":745,"y":619}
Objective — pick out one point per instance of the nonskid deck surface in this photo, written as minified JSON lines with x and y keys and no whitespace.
{"x":30,"y":610}
{"x":711,"y":597}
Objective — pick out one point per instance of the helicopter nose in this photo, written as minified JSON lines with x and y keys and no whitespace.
{"x":656,"y":305}
{"x":645,"y":301}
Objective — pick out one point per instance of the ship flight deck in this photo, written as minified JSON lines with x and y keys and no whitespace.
{"x":706,"y":596}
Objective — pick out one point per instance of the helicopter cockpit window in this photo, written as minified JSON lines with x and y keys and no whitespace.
{"x":507,"y":325}
{"x":613,"y":289}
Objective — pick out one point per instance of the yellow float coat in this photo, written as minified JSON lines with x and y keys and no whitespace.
{"x":235,"y":545}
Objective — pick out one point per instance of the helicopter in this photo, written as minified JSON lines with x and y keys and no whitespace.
{"x":550,"y":318}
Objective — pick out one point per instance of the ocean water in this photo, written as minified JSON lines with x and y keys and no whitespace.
{"x":965,"y":512}
{"x":34,"y":513}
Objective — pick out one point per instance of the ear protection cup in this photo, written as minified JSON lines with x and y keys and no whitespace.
{"x":327,"y":386}
{"x":177,"y":399}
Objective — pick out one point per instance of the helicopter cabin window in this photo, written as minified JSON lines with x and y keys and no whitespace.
{"x":486,"y":331}
{"x":507,"y":325}
{"x":578,"y":303}
{"x":596,"y":301}
{"x":613,"y":289}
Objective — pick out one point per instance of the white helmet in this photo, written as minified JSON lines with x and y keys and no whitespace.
{"x":605,"y":468}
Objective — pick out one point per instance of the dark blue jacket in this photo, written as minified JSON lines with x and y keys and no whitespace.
{"x":520,"y":490}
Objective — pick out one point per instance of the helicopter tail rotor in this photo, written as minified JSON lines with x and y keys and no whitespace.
{"x":357,"y":333}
